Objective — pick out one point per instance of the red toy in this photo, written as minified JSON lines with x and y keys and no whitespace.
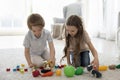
{"x":25,"y":70}
{"x":8,"y":69}
{"x":35,"y":73}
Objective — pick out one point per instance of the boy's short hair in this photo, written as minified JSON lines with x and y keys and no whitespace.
{"x":35,"y":20}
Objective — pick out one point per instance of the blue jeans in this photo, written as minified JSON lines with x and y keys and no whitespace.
{"x":83,"y":59}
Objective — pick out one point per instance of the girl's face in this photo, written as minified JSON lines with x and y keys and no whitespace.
{"x":72,"y":30}
{"x":37,"y":31}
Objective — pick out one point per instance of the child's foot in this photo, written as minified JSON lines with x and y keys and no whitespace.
{"x":95,"y":73}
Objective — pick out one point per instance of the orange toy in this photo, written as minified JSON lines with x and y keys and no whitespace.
{"x":50,"y":73}
{"x":103,"y":68}
{"x":58,"y":72}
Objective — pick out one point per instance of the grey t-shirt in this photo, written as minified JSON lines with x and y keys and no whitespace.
{"x":37,"y":45}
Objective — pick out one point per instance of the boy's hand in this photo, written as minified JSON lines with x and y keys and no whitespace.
{"x":31,"y":65}
{"x":52,"y":62}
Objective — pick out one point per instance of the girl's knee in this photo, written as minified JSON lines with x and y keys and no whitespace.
{"x":85,"y":63}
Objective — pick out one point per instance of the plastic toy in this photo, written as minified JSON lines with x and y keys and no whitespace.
{"x":58,"y":72}
{"x":21,"y":70}
{"x":8,"y":69}
{"x":41,"y":67}
{"x":25,"y":70}
{"x":35,"y":73}
{"x":79,"y":71}
{"x":56,"y":66}
{"x":50,"y":73}
{"x":95,"y":73}
{"x":118,"y":66}
{"x":48,"y":65}
{"x":112,"y":67}
{"x":59,"y":66}
{"x":23,"y":65}
{"x":14,"y":70}
{"x":69,"y":71}
{"x":17,"y":67}
{"x":103,"y":68}
{"x":44,"y":71}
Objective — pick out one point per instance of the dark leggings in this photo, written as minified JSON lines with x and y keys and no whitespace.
{"x":82,"y":60}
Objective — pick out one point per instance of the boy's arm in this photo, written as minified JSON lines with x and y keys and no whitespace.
{"x":52,"y":52}
{"x":28,"y":58}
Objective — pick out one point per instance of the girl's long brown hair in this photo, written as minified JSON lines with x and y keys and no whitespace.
{"x":76,"y":21}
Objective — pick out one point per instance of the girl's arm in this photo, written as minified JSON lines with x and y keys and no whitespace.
{"x":52,"y":52}
{"x":95,"y":62}
{"x":68,"y":57}
{"x":27,"y":56}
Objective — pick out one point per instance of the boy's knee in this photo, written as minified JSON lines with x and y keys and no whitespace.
{"x":37,"y":60}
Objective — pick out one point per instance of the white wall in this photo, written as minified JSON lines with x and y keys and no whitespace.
{"x":103,"y":18}
{"x":49,"y":9}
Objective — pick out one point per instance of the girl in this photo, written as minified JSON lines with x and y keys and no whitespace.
{"x":78,"y":44}
{"x":36,"y":40}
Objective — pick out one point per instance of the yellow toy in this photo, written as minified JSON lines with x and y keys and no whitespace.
{"x":103,"y":68}
{"x":58,"y":72}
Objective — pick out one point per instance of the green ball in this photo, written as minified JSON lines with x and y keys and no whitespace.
{"x":79,"y":71}
{"x":69,"y":71}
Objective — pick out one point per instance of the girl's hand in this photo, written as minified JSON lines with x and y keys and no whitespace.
{"x":95,"y":63}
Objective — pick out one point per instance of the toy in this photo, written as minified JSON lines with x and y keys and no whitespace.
{"x":56,"y":66}
{"x":21,"y":70}
{"x":69,"y":71}
{"x":94,"y":72}
{"x":58,"y":72}
{"x":48,"y":65}
{"x":112,"y":67}
{"x":50,"y":73}
{"x":35,"y":73}
{"x":17,"y":67}
{"x":103,"y":68}
{"x":8,"y":69}
{"x":22,"y":65}
{"x":59,"y":66}
{"x":14,"y":70}
{"x":25,"y":70}
{"x":118,"y":66}
{"x":41,"y":67}
{"x":44,"y":71}
{"x":79,"y":71}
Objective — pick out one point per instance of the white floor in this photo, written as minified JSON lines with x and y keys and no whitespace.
{"x":12,"y":54}
{"x":107,"y":50}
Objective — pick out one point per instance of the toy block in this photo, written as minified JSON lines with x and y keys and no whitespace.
{"x":8,"y":69}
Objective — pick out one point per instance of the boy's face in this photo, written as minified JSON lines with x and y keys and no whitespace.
{"x":37,"y":31}
{"x":72,"y":30}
